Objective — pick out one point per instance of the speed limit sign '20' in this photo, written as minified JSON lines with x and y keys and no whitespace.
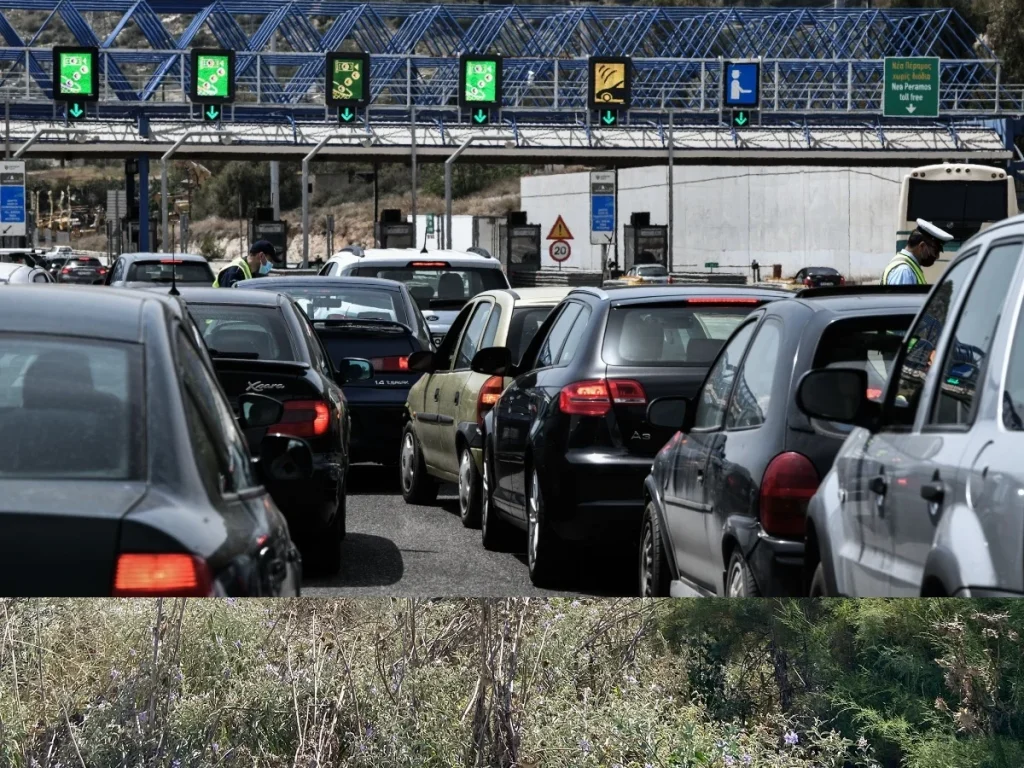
{"x":560,"y":250}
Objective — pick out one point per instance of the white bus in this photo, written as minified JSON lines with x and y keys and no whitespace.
{"x":961,"y":198}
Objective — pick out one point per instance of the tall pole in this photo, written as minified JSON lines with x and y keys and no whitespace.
{"x":671,"y":185}
{"x":305,"y":195}
{"x":412,"y":150}
{"x":448,"y":179}
{"x":275,"y":166}
{"x":163,"y":182}
{"x":7,"y":133}
{"x":376,"y":204}
{"x":144,"y":244}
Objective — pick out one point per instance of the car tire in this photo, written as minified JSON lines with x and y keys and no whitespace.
{"x":495,"y":532}
{"x":325,"y":546}
{"x":417,"y":486}
{"x":819,"y":586}
{"x":654,"y":571}
{"x":739,"y":581}
{"x":545,"y":552}
{"x":469,"y":489}
{"x":343,"y":514}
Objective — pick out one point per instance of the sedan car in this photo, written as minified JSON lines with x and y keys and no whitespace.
{"x":135,"y":270}
{"x":263,"y":342}
{"x":122,"y":470}
{"x":727,"y":496}
{"x":82,"y":270}
{"x":819,"y":277}
{"x":11,"y":273}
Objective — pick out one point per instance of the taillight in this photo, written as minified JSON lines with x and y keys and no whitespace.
{"x":789,"y":482}
{"x":303,"y":418}
{"x":807,"y":281}
{"x":390,"y":364}
{"x":489,"y":394}
{"x":874,"y":393}
{"x":65,"y":271}
{"x":595,"y":397}
{"x":103,"y":270}
{"x":842,"y":280}
{"x":170,"y":574}
{"x":670,"y":279}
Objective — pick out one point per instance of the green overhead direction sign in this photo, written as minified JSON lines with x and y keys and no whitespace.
{"x":213,"y":81}
{"x":743,"y":118}
{"x":911,"y":87}
{"x":479,"y":86}
{"x":347,"y":87}
{"x":76,"y":78}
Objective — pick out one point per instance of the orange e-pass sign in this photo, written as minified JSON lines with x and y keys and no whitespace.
{"x":559,"y":231}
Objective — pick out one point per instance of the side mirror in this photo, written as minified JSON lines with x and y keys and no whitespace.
{"x":258,"y":411}
{"x":354,"y":369}
{"x":283,"y":457}
{"x":668,"y":412}
{"x":837,"y":394}
{"x":494,"y":361}
{"x":423,"y":361}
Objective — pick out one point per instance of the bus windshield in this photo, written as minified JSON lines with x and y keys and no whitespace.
{"x":959,"y":207}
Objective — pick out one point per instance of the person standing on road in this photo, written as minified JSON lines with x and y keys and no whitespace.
{"x":923,"y":248}
{"x":258,"y":261}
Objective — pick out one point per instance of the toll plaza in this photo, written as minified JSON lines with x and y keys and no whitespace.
{"x":263,"y":226}
{"x":520,"y":246}
{"x":393,"y":232}
{"x":645,"y":243}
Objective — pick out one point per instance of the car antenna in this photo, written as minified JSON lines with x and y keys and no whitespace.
{"x":424,"y":249}
{"x":174,"y":276}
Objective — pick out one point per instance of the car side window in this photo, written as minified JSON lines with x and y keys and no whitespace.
{"x":715,"y":393}
{"x":316,"y":349}
{"x":576,"y":333}
{"x":556,"y":337}
{"x":918,"y":351}
{"x":446,"y":350}
{"x":471,"y":338}
{"x":971,"y":342}
{"x":752,"y":397}
{"x":118,"y":271}
{"x":491,"y":331}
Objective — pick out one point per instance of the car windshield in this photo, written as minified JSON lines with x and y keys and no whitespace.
{"x":251,"y":333}
{"x":70,"y":408}
{"x":349,"y":302}
{"x":680,"y":334}
{"x":654,"y":270}
{"x":440,"y":286}
{"x":523,"y":326}
{"x":159,"y":271}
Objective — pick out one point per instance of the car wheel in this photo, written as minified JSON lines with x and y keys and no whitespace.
{"x":739,"y":581}
{"x":417,"y":486}
{"x":342,"y":514}
{"x":469,"y":490}
{"x":819,"y":587}
{"x":494,"y":532}
{"x":325,"y":546}
{"x":654,"y":573}
{"x":543,"y":555}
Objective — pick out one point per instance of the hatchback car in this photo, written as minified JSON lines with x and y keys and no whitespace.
{"x":726,"y":497}
{"x":925,"y":494}
{"x":82,"y":270}
{"x":134,"y":270}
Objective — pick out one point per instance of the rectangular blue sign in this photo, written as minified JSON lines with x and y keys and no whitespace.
{"x":12,"y":205}
{"x":742,"y":84}
{"x":602,"y":213}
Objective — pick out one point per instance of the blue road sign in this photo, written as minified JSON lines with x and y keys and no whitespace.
{"x":742,"y":84}
{"x":602,"y":213}
{"x":12,"y":198}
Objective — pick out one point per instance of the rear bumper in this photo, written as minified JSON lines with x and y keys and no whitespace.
{"x":376,"y":431}
{"x":777,"y":566}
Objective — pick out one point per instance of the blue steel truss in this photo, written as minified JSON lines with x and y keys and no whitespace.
{"x":816,"y":61}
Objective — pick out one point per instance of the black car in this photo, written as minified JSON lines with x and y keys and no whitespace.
{"x":820,"y":277}
{"x":82,"y":270}
{"x":727,"y":497}
{"x":122,"y":469}
{"x":568,"y":444}
{"x":263,"y":343}
{"x":364,"y":317}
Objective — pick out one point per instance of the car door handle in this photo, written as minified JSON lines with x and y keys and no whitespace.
{"x":700,"y":475}
{"x":437,"y":395}
{"x":933,"y":492}
{"x":878,"y":485}
{"x":457,"y":397}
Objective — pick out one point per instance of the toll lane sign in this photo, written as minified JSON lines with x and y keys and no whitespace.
{"x":610,"y":86}
{"x":911,"y":87}
{"x":12,"y":198}
{"x":213,"y":76}
{"x":348,"y":80}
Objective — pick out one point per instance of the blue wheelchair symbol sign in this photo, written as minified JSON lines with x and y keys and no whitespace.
{"x":742,"y":84}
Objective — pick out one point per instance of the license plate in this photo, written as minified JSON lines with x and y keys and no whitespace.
{"x":827,"y":283}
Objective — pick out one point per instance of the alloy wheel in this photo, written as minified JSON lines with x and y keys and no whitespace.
{"x":533,"y":516}
{"x":408,"y":462}
{"x":737,"y":584}
{"x":647,"y":563}
{"x":485,"y":502}
{"x":465,"y":482}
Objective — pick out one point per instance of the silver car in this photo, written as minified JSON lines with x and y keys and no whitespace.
{"x":926,"y":496}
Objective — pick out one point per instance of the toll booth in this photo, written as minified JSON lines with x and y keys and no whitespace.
{"x":520,"y":246}
{"x":263,"y":226}
{"x":130,"y":234}
{"x":641,"y":237}
{"x":392,"y":232}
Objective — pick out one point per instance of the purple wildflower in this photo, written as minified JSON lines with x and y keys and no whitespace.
{"x":143,"y":717}
{"x":791,"y":738}
{"x":238,"y":645}
{"x":216,"y":747}
{"x":747,"y":759}
{"x":369,"y":733}
{"x":730,"y":760}
{"x":586,"y":747}
{"x":175,"y":763}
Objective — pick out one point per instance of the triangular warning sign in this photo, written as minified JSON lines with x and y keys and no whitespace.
{"x":559,"y":231}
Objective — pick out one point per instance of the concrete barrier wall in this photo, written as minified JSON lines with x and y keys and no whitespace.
{"x":795,"y":216}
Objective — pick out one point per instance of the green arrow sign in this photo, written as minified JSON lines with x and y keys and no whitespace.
{"x":609,"y":117}
{"x":741,"y":118}
{"x":480,"y":117}
{"x":346,"y":115}
{"x":76,"y":111}
{"x":212,"y":113}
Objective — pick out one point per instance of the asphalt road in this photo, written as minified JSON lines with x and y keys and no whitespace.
{"x":395,"y":549}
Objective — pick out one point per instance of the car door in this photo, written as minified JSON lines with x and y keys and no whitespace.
{"x":687,"y":506}
{"x":427,"y":429}
{"x":914,"y":504}
{"x":881,"y":464}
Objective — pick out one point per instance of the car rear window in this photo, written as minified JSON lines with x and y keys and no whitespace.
{"x":683,"y":333}
{"x":70,"y":408}
{"x":83,"y":261}
{"x":523,"y":326}
{"x":252,"y":333}
{"x":440,"y":286}
{"x":349,"y":303}
{"x":159,"y":271}
{"x":655,"y":270}
{"x":870,"y":344}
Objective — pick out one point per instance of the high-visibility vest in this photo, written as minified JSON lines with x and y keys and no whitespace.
{"x":906,"y":259}
{"x":241,"y":263}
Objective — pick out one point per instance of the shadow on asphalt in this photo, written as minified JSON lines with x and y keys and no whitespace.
{"x":366,"y":561}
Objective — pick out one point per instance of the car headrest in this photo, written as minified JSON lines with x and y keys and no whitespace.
{"x":642,"y":339}
{"x":703,"y":350}
{"x":55,"y":376}
{"x":243,"y":341}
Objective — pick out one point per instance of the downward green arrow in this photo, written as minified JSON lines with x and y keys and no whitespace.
{"x":608,"y":118}
{"x":346,"y":115}
{"x":479,"y":116}
{"x":76,"y":111}
{"x":741,"y":119}
{"x":212,"y":113}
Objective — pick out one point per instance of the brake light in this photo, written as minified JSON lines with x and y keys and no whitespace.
{"x":807,"y":281}
{"x":842,"y":280}
{"x":102,"y":270}
{"x":789,"y":482}
{"x":874,"y":394}
{"x":428,"y":264}
{"x":670,"y":279}
{"x":303,"y":418}
{"x":66,"y":271}
{"x":171,"y":261}
{"x":722,"y":300}
{"x":489,"y":394}
{"x":595,"y":397}
{"x":170,"y":574}
{"x":390,"y":364}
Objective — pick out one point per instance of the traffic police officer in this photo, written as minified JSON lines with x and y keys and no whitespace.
{"x":258,"y":260}
{"x":923,"y":248}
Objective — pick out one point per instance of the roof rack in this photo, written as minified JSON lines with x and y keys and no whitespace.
{"x":861,"y":290}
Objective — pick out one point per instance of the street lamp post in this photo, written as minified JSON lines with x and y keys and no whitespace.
{"x":163,"y":178}
{"x":448,"y":176}
{"x":44,"y":132}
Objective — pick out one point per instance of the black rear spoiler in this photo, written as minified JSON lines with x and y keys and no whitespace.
{"x":862,"y":290}
{"x":282,"y":367}
{"x":370,"y":325}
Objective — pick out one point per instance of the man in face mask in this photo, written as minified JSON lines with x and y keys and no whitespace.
{"x":259,"y":262}
{"x":923,"y":248}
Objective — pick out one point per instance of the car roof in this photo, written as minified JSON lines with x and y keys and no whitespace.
{"x":133,"y":257}
{"x":655,"y":292}
{"x":10,"y":267}
{"x":86,"y":311}
{"x":525,"y":297}
{"x":862,"y":302}
{"x":268,"y":283}
{"x":224,"y":296}
{"x":392,"y":255}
